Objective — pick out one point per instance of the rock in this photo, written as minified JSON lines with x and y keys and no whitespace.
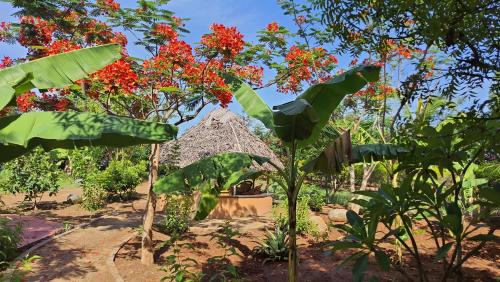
{"x":338,"y":215}
{"x":74,"y":199}
{"x":320,"y":224}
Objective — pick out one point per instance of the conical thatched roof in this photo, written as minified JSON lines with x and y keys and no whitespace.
{"x":218,"y":132}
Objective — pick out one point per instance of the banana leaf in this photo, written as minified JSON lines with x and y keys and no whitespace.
{"x":21,"y":133}
{"x":326,"y":97}
{"x":54,"y":71}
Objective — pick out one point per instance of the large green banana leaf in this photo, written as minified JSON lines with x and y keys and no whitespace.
{"x":21,"y":133}
{"x":304,"y":118}
{"x":251,"y":102}
{"x":55,"y":71}
{"x":202,"y":173}
{"x":326,"y":97}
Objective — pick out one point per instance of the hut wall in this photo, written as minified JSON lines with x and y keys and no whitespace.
{"x":242,"y":206}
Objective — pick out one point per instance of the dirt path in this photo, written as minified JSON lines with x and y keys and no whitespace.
{"x":82,"y":255}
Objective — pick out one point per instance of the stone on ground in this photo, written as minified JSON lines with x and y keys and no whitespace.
{"x":337,"y":215}
{"x":322,"y":228}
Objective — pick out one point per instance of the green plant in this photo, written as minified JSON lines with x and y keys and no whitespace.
{"x":342,"y":198}
{"x":10,"y":236}
{"x":303,"y":219}
{"x":121,"y":177}
{"x":33,"y":175}
{"x":178,"y":266}
{"x":224,"y":270}
{"x":94,"y":195}
{"x":274,"y":247}
{"x":315,"y":196}
{"x":176,"y":216}
{"x":85,"y":161}
{"x":434,"y":190}
{"x":17,"y":271}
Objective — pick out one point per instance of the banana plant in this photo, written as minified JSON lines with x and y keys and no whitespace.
{"x":298,"y":124}
{"x":20,"y":133}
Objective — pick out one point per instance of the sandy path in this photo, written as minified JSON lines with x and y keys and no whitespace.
{"x":82,"y":255}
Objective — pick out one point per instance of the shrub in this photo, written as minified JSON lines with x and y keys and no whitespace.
{"x":85,"y":161}
{"x":10,"y":236}
{"x":33,"y":174}
{"x":304,"y":223}
{"x":94,"y":195}
{"x":177,"y":213}
{"x":274,"y":246}
{"x":315,"y":196}
{"x":121,"y":177}
{"x":342,"y":198}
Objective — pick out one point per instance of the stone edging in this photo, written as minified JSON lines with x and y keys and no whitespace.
{"x":111,"y":259}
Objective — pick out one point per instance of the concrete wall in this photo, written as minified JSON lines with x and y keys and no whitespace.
{"x":242,"y":206}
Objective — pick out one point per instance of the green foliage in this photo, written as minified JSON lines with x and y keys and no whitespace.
{"x":222,"y":266}
{"x":85,"y":161}
{"x":208,"y":175}
{"x":314,"y":195}
{"x":490,"y":171}
{"x":274,"y":247}
{"x":10,"y":237}
{"x":304,"y":223}
{"x":121,"y":177}
{"x":177,"y":213}
{"x":21,"y":133}
{"x":426,"y":193}
{"x":178,"y":265}
{"x":94,"y":195}
{"x":342,"y":198}
{"x":33,"y":174}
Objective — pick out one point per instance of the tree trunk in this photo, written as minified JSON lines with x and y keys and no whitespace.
{"x":293,"y":259}
{"x":352,"y":178}
{"x":367,"y":173}
{"x":147,"y":252}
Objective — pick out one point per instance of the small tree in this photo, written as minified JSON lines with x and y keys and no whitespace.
{"x":33,"y":174}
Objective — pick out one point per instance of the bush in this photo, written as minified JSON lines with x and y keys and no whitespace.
{"x":94,"y":195}
{"x":274,"y":246}
{"x":314,"y":195}
{"x":342,"y":198}
{"x":10,"y":236}
{"x":119,"y":179}
{"x":85,"y":161}
{"x":33,"y":174}
{"x":304,"y":223}
{"x":177,"y":213}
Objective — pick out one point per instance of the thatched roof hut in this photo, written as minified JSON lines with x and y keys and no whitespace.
{"x":218,"y":132}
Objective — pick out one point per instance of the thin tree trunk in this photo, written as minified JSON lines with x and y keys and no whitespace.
{"x":292,"y":233}
{"x":367,"y":173}
{"x":352,"y":178}
{"x":147,"y":253}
